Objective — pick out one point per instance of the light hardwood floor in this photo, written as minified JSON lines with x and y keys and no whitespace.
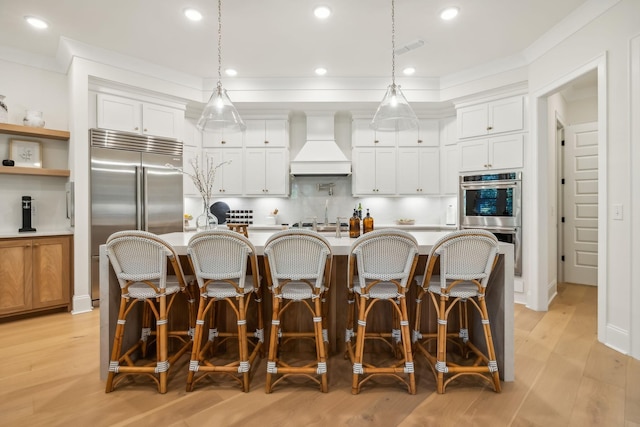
{"x":564,"y":377}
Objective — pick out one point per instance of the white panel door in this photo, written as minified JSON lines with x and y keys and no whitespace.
{"x":581,"y":204}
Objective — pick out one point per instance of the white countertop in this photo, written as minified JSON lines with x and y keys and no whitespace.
{"x":30,"y":234}
{"x":340,"y":246}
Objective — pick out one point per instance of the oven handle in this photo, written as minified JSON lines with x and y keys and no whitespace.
{"x":489,"y":185}
{"x":503,"y":230}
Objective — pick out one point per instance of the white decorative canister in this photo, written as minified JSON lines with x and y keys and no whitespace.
{"x":4,"y":111}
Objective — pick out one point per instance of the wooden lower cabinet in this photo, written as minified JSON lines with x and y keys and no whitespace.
{"x":35,"y":274}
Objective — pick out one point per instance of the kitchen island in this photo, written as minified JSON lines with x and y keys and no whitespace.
{"x":499,"y":294}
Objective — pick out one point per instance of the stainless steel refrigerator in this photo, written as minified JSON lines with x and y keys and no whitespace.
{"x":132,"y":188}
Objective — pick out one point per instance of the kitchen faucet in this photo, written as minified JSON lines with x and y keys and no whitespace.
{"x":326,"y":212}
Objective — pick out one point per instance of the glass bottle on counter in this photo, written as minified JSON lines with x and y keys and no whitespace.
{"x":360,"y":211}
{"x":367,"y":223}
{"x":354,"y":225}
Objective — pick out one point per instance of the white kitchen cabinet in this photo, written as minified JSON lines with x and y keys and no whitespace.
{"x":449,"y":169}
{"x":503,"y":115}
{"x":229,"y":177}
{"x":418,"y":170}
{"x":222,"y":139}
{"x":266,"y":172}
{"x":266,"y":133}
{"x":191,"y":135}
{"x":364,"y":136}
{"x":374,"y":171}
{"x":504,"y":152}
{"x":448,"y":131}
{"x":130,"y":115}
{"x":427,"y":135}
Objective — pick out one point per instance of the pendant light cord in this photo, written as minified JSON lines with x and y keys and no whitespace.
{"x":219,"y":45}
{"x":393,"y":43}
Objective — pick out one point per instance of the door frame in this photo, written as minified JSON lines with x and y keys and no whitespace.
{"x":560,"y":202}
{"x":538,"y":298}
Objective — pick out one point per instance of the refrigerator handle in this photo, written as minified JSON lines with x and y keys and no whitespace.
{"x":145,"y":199}
{"x":139,"y":206}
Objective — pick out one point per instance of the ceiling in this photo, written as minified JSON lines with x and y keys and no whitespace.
{"x":282,"y":38}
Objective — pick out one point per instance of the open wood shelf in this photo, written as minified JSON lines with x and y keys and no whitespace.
{"x":18,"y":170}
{"x":10,"y":129}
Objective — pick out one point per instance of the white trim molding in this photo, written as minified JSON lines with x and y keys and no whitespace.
{"x":634,"y":112}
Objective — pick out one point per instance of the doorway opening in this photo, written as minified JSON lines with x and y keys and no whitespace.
{"x":551,"y":103}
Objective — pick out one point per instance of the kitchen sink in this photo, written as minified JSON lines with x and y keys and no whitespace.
{"x":322,"y":227}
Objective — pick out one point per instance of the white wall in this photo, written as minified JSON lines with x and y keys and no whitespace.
{"x":608,"y":35}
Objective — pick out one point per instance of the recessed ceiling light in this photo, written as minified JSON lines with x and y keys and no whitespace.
{"x":321,"y":71}
{"x":230,"y":72}
{"x":193,"y":14}
{"x":36,"y":22}
{"x":449,"y":13}
{"x":322,"y":12}
{"x":409,"y":71}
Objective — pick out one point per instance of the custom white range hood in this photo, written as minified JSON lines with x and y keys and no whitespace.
{"x":320,"y":155}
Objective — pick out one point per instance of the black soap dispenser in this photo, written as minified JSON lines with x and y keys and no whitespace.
{"x":26,"y":215}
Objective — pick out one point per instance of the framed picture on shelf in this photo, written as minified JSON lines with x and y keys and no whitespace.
{"x":25,"y":153}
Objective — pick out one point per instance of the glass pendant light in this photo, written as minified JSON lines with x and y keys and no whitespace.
{"x":394,"y":112}
{"x":219,"y":113}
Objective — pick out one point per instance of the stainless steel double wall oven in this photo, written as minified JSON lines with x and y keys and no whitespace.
{"x":493,"y":202}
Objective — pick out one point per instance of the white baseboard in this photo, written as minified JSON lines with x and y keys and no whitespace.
{"x":552,"y":291}
{"x":81,"y":304}
{"x":617,"y":339}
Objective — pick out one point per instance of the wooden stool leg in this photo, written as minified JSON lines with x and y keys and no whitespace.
{"x":117,"y":345}
{"x":349,"y":334}
{"x":197,"y":343}
{"x":273,"y":343}
{"x":491,"y":353}
{"x":358,"y":368}
{"x":441,"y":356}
{"x":320,"y":345}
{"x":406,"y":345}
{"x":242,"y":343}
{"x":163,"y":345}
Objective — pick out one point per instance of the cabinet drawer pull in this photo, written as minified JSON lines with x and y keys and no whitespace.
{"x":136,"y":128}
{"x":145,"y":129}
{"x":266,"y":142}
{"x":489,"y":127}
{"x":419,"y":141}
{"x":375,"y":141}
{"x":223,"y":142}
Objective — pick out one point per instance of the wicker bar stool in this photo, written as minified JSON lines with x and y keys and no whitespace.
{"x":381,"y":264}
{"x":140,"y":260}
{"x":466,"y":259}
{"x":220,"y":260}
{"x":297,"y":265}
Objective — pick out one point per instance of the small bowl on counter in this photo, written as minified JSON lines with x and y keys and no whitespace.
{"x":406,"y":221}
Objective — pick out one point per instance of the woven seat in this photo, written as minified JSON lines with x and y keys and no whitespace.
{"x":465,"y":259}
{"x":381,"y":264}
{"x":139,"y":260}
{"x":220,"y":260}
{"x":297,"y":266}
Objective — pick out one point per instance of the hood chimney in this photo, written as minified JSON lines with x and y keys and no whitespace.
{"x":320,"y":155}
